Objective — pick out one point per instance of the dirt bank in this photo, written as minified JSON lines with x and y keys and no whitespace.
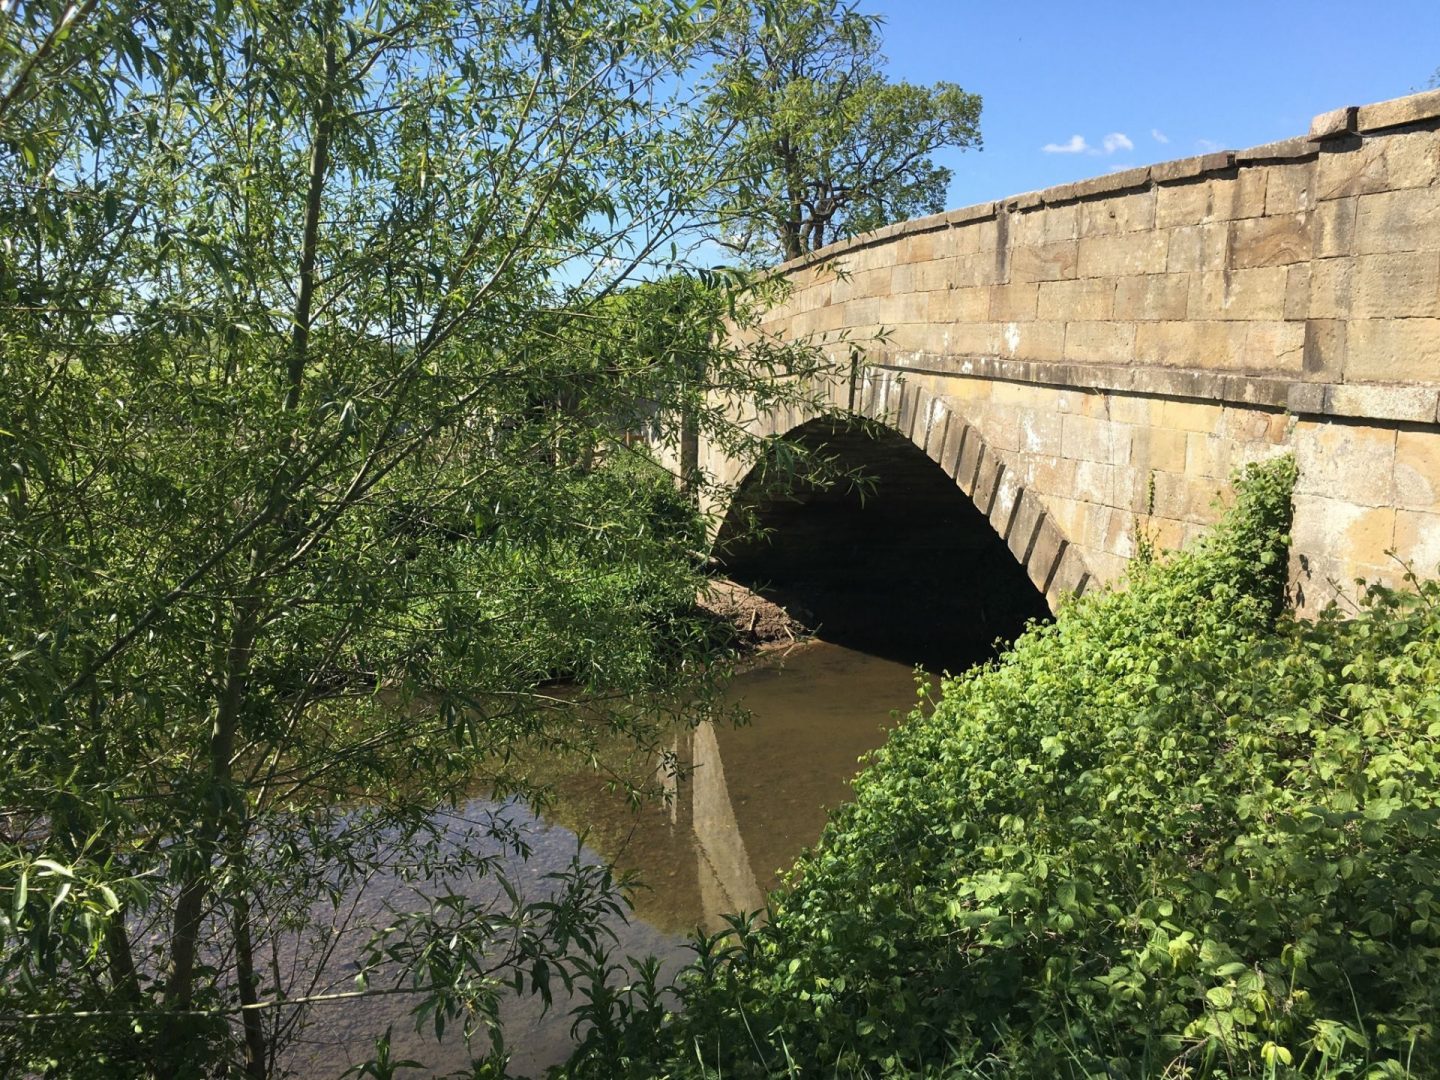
{"x":758,"y":622}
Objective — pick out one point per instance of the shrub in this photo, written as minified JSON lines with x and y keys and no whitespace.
{"x":1177,"y":832}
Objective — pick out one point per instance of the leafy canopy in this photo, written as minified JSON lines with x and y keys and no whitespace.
{"x":316,"y":403}
{"x":826,"y":146}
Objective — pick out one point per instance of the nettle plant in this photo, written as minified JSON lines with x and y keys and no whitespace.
{"x":1178,"y":832}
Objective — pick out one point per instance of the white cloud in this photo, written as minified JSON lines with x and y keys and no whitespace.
{"x":1206,"y":145}
{"x":1116,"y":140}
{"x":1076,"y":145}
{"x":1159,"y":136}
{"x":1119,"y":168}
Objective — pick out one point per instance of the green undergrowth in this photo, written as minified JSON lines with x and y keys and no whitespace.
{"x":1178,"y":832}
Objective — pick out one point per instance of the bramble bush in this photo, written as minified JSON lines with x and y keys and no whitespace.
{"x":1178,"y":832}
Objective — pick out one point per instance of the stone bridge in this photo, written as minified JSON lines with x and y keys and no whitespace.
{"x":1088,"y":364}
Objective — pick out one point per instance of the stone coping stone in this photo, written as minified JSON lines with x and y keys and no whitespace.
{"x":1337,"y":123}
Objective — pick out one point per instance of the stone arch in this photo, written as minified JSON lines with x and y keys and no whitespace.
{"x":958,"y":528}
{"x":1054,"y":566}
{"x":936,"y":428}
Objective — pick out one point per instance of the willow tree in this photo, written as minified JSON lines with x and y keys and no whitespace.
{"x":828,"y":146}
{"x":287,"y":552}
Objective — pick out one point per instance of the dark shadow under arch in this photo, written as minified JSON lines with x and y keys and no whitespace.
{"x":903,"y":566}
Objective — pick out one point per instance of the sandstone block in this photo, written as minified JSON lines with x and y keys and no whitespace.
{"x":1417,"y":541}
{"x":1040,"y":432}
{"x":1336,"y":122}
{"x":1393,"y":350}
{"x":972,"y":452}
{"x":1332,"y":288}
{"x":1334,"y":227}
{"x":1410,"y":109}
{"x":1128,"y":408}
{"x":1397,"y":284}
{"x":1085,"y":438}
{"x":1208,"y":456}
{"x":1273,"y":346}
{"x":1384,"y":164}
{"x":1190,"y":416}
{"x":1398,"y":221}
{"x":1005,"y":503}
{"x":936,"y":422}
{"x":1348,"y":533}
{"x":1118,"y":214}
{"x":1283,"y":150}
{"x":1049,"y":545}
{"x":970,"y":270}
{"x":1184,"y":168}
{"x":1047,"y":475}
{"x":1187,"y":498}
{"x":1257,"y":293}
{"x":987,"y":483}
{"x":1022,"y":394}
{"x":867,"y":283}
{"x":1417,"y":471}
{"x":1099,"y":342}
{"x":912,"y":307}
{"x":1271,"y":241}
{"x":1382,"y":401}
{"x":1044,"y":262}
{"x":1094,"y":484}
{"x":1053,"y":225}
{"x":1345,"y":461}
{"x":1289,"y":189}
{"x":1024,"y":526}
{"x":1093,"y":531}
{"x":863,"y":312}
{"x":1152,"y":296}
{"x":972,"y":237}
{"x":1112,"y":182}
{"x":1032,"y":340}
{"x":971,"y":338}
{"x":1198,"y":247}
{"x":958,"y":433}
{"x":915,"y":248}
{"x":1088,"y":298}
{"x":1297,"y":291}
{"x":1166,"y":534}
{"x":1213,"y":345}
{"x":960,"y":305}
{"x":1188,"y":203}
{"x":914,"y":404}
{"x":1240,"y":196}
{"x":1001,"y":425}
{"x":1011,"y":303}
{"x":1122,"y":254}
{"x":1245,"y":425}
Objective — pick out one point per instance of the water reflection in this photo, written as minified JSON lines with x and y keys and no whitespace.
{"x":750,"y":799}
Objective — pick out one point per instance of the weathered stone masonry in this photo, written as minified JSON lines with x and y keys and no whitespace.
{"x":1096,"y":358}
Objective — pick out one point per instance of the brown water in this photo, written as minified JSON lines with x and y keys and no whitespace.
{"x":756,"y":797}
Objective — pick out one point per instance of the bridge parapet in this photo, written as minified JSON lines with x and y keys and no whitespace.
{"x":1120,"y":344}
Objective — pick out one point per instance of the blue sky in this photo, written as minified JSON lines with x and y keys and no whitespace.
{"x":1161,"y":79}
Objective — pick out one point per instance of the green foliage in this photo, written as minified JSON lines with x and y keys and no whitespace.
{"x":1175,"y":833}
{"x":318,"y":371}
{"x":826,"y":146}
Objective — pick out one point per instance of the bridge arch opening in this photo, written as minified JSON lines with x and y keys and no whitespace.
{"x":901,"y":565}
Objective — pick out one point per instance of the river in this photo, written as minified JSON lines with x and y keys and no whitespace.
{"x":757,"y":796}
